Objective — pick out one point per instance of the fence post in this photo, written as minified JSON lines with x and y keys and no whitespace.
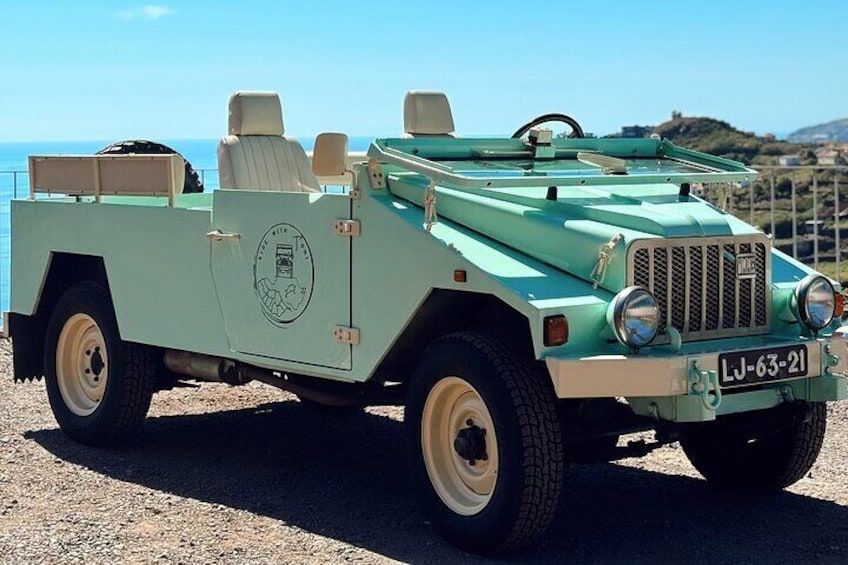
{"x":751,"y":203}
{"x":815,"y":221}
{"x":771,"y":204}
{"x":794,"y":221}
{"x":14,"y":184}
{"x":729,"y":189}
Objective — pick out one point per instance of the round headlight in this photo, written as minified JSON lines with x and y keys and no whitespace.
{"x":816,"y":301}
{"x":634,"y":316}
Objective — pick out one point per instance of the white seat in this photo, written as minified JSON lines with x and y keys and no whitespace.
{"x":427,"y":114}
{"x":255,"y":155}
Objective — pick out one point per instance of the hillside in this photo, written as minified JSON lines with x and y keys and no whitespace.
{"x":835,"y":131}
{"x":716,"y":137}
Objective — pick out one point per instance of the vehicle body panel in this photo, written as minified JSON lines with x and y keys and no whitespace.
{"x":284,"y":284}
{"x":156,"y":258}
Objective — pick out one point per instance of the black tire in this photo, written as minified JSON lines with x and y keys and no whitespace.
{"x":130,"y":372}
{"x":192,"y":182}
{"x":521,"y":403}
{"x":759,"y":452}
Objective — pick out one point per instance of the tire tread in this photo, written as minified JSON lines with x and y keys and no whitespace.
{"x":131,"y":379}
{"x":543,"y":459}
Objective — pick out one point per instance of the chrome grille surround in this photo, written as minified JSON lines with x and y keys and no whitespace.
{"x":697,"y":287}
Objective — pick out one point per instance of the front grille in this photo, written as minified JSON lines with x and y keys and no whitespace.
{"x":698,"y":288}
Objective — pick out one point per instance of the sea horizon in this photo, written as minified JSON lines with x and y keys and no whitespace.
{"x":201,"y":153}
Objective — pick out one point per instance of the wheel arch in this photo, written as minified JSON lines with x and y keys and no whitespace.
{"x":28,"y":331}
{"x":447,"y":311}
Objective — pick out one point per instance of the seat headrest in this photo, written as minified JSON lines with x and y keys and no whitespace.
{"x":255,"y":113}
{"x":427,"y":113}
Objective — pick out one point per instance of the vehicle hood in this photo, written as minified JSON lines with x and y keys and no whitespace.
{"x":571,"y":231}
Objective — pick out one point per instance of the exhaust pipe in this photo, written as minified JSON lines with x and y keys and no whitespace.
{"x":204,"y":367}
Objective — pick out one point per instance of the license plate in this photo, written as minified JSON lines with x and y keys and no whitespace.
{"x":762,"y":365}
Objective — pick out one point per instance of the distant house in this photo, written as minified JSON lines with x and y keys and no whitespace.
{"x":636,"y":131}
{"x":829,"y":156}
{"x":789,"y":160}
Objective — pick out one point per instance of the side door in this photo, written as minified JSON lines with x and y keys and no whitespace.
{"x":282,"y":275}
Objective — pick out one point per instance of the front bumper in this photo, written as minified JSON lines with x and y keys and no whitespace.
{"x":681,"y":386}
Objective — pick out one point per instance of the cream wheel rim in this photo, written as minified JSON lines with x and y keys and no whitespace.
{"x":82,"y":365}
{"x":462,"y":470}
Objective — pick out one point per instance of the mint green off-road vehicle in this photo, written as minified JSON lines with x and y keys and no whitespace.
{"x":529,"y":300}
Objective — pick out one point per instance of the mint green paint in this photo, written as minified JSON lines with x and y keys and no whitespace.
{"x":157,"y":260}
{"x":412,"y":262}
{"x":568,"y":244}
{"x":174,"y":288}
{"x":824,"y":388}
{"x":690,"y":408}
{"x":275,"y":310}
{"x":786,"y":269}
{"x":753,"y":400}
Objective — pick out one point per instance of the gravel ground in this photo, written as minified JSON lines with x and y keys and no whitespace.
{"x":250,"y":475}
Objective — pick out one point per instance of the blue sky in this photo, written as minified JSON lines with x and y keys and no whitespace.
{"x":164,"y":70}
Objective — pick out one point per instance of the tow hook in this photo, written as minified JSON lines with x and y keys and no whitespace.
{"x":705,"y":385}
{"x":470,"y":443}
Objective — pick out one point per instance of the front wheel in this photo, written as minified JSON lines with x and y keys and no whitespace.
{"x":99,"y":386}
{"x":758,"y":452}
{"x":485,"y":444}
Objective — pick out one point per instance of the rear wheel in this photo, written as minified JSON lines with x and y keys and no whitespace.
{"x":485,"y":444}
{"x":99,"y":387}
{"x":758,"y":452}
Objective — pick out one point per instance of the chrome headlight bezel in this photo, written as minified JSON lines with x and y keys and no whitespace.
{"x":619,"y":321}
{"x":804,"y":306}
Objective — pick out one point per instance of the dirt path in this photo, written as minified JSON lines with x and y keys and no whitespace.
{"x":250,"y":475}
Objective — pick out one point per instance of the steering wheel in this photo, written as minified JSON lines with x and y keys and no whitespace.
{"x":576,"y":130}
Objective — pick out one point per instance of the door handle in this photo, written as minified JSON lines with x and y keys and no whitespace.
{"x":218,"y":235}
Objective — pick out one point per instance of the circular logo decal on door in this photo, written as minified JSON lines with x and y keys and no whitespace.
{"x":283,"y":274}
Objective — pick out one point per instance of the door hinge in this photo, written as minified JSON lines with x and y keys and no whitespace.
{"x":347,"y":228}
{"x":375,"y":174}
{"x":344,"y":334}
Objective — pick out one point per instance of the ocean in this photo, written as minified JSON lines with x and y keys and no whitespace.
{"x":14,"y":180}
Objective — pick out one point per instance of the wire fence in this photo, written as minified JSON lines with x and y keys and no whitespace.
{"x":804,"y":208}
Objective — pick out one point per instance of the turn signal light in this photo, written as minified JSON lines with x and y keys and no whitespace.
{"x":840,"y":305}
{"x":556,"y":330}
